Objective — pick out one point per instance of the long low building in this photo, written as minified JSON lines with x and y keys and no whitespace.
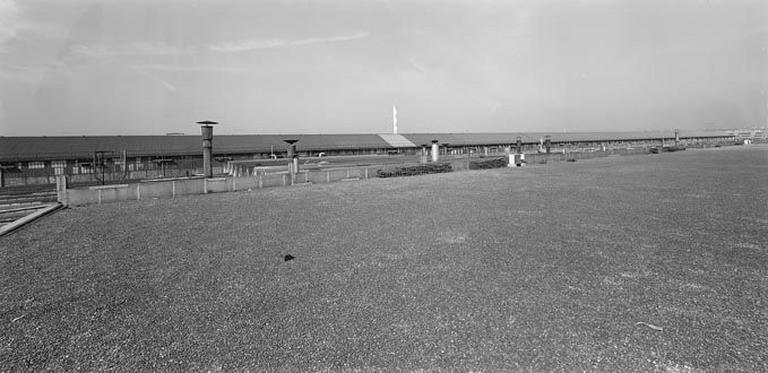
{"x":36,"y":160}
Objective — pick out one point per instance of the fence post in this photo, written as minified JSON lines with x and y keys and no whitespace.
{"x":61,"y":189}
{"x":328,"y":176}
{"x":173,"y":188}
{"x":205,"y":185}
{"x":138,"y":192}
{"x":348,"y":173}
{"x":261,"y":183}
{"x":284,"y":180}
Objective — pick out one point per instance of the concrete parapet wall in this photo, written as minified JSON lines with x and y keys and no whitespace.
{"x":114,"y":192}
{"x":184,"y":187}
{"x":170,"y":188}
{"x":273,"y":180}
{"x":134,"y":191}
{"x":218,"y":185}
{"x":76,"y":197}
{"x":244,"y":183}
{"x":157,"y":189}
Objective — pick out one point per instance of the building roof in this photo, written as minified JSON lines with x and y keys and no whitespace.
{"x":13,"y":149}
{"x":32,"y":148}
{"x":397,"y":141}
{"x":534,"y":137}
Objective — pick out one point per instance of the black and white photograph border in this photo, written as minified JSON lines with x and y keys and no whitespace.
{"x":481,"y":186}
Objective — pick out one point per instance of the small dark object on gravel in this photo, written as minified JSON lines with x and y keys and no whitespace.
{"x":654,"y":327}
{"x":571,"y":160}
{"x":289,"y":257}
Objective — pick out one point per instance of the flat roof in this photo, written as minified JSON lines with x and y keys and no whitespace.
{"x":14,"y":149}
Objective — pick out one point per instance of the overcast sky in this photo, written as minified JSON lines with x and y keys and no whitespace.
{"x":79,"y":67}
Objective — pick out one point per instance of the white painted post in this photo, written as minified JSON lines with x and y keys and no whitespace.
{"x":261,"y":182}
{"x":61,"y":189}
{"x":285,"y":180}
{"x":366,"y":172}
{"x":173,"y":188}
{"x":99,"y":196}
{"x":205,"y":186}
{"x":138,"y":192}
{"x":348,"y":173}
{"x":327,"y":176}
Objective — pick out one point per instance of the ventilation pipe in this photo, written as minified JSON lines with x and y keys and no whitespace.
{"x":293,"y":156}
{"x":206,"y":128}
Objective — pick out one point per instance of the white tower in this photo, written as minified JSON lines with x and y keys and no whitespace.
{"x":394,"y":119}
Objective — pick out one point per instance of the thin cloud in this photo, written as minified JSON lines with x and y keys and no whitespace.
{"x":9,"y":21}
{"x":188,"y":68}
{"x":27,"y":74}
{"x":417,"y":65}
{"x":162,"y":82}
{"x":248,"y":45}
{"x":131,"y":49}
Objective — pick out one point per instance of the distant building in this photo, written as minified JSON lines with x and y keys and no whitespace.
{"x":89,"y":159}
{"x":752,"y":134}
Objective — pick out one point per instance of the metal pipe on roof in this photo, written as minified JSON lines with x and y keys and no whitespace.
{"x":293,"y":156}
{"x":207,"y":132}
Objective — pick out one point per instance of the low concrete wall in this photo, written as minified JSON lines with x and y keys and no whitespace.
{"x":137,"y":191}
{"x":217,"y":185}
{"x":184,"y":187}
{"x":159,"y":189}
{"x":170,"y":188}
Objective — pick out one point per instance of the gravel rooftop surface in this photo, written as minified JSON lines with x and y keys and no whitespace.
{"x":564,"y":267}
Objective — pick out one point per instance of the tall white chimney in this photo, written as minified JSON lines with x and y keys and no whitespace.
{"x":394,"y":119}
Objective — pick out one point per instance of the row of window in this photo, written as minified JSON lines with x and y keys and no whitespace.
{"x":136,"y":164}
